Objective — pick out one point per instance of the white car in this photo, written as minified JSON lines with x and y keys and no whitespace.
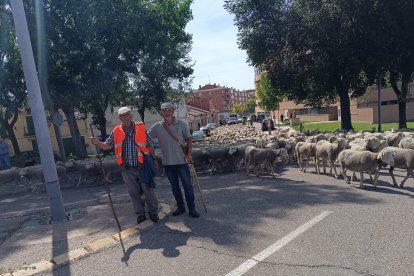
{"x":198,"y":136}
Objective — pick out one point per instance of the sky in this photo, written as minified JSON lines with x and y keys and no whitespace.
{"x":215,"y":52}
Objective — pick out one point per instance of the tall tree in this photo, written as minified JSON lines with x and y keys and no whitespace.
{"x":250,"y":105}
{"x":392,"y":32}
{"x":163,"y":66}
{"x":310,"y":49}
{"x":268,"y":97}
{"x":13,"y":92}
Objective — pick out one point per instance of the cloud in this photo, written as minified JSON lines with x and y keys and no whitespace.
{"x":215,"y":51}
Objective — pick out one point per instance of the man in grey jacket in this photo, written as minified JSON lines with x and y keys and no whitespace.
{"x":172,"y":132}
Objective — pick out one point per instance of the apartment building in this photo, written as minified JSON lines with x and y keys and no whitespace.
{"x":218,"y":100}
{"x":26,"y":137}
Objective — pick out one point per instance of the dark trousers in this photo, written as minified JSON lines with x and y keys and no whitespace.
{"x":174,"y":173}
{"x":130,"y":176}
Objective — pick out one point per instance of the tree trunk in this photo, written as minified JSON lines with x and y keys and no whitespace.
{"x":346,"y":121}
{"x":101,"y":122}
{"x":104,"y":134}
{"x":401,"y":98}
{"x":13,"y":139}
{"x":141,"y":113}
{"x":402,"y":116}
{"x":78,"y":143}
{"x":9,"y":126}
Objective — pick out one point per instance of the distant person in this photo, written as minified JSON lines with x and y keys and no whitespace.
{"x":4,"y":155}
{"x":282,"y":117}
{"x":290,"y":115}
{"x":131,"y":142}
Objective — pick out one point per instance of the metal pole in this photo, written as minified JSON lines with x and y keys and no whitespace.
{"x":379,"y":101}
{"x":37,"y":110}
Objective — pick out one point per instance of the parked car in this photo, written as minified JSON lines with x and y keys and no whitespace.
{"x":198,"y":136}
{"x":266,"y":123}
{"x":232,"y":121}
{"x":207,"y":128}
{"x":212,"y":125}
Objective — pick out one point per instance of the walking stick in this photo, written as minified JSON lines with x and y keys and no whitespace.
{"x":194,"y":175}
{"x":108,"y":191}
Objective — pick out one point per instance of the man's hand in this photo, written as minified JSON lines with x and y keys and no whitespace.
{"x":99,"y":144}
{"x":156,"y":164}
{"x":189,"y":158}
{"x":94,"y":141}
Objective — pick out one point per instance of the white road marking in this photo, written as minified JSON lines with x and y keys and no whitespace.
{"x":246,"y":266}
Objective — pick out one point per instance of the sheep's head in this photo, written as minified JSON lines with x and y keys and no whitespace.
{"x":24,"y":172}
{"x":387,"y":156}
{"x":342,"y":143}
{"x":284,"y":155}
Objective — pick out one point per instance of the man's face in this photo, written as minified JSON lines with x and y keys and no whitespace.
{"x":167,"y":113}
{"x":125,"y":118}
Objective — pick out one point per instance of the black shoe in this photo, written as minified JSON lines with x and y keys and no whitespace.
{"x":154,"y":217}
{"x":178,"y":211}
{"x":193,"y":213}
{"x":141,"y":219}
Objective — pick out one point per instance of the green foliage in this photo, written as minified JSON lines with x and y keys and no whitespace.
{"x":268,"y":96}
{"x":312,"y":50}
{"x":250,"y":105}
{"x":237,"y":109}
{"x":332,"y":126}
{"x":12,"y":88}
{"x":101,"y":53}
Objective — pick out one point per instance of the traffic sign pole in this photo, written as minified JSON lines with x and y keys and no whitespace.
{"x":38,"y":113}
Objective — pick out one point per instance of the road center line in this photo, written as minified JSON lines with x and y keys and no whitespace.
{"x":246,"y":266}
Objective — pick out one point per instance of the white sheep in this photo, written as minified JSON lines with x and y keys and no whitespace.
{"x":364,"y":161}
{"x":10,"y":175}
{"x":267,"y":157}
{"x":406,"y":143}
{"x":33,"y":175}
{"x":403,"y":159}
{"x":305,"y":149}
{"x":328,"y":151}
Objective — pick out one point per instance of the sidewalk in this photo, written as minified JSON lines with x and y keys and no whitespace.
{"x":30,"y":244}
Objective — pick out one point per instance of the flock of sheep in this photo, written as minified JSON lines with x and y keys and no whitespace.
{"x":229,"y":147}
{"x":72,"y":172}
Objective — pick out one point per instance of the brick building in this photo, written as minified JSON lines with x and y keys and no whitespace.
{"x":218,"y":100}
{"x":363,"y":109}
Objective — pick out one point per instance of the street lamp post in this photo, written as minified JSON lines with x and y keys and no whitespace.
{"x":38,"y":113}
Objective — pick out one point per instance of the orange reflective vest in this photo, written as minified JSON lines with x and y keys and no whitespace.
{"x":140,"y":140}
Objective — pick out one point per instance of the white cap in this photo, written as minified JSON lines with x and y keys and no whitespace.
{"x":123,"y":110}
{"x":167,"y":105}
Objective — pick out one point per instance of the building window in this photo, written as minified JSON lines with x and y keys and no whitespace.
{"x":313,"y":111}
{"x":30,"y":126}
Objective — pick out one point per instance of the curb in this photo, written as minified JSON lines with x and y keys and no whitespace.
{"x":80,"y":204}
{"x":90,"y":248}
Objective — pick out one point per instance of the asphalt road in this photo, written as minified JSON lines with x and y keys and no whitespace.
{"x":295,"y":224}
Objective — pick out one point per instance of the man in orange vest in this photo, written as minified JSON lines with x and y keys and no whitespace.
{"x":130,"y":143}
